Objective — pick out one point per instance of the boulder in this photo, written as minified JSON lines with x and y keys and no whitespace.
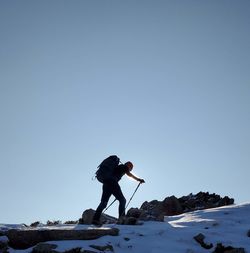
{"x":125,"y":220}
{"x":156,"y":210}
{"x":22,"y":239}
{"x":172,"y":206}
{"x":87,"y":217}
{"x":134,"y":212}
{"x":152,"y":210}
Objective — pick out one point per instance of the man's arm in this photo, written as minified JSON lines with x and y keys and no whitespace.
{"x":134,"y":177}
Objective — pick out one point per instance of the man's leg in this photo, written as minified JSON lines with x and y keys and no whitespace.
{"x":106,"y":193}
{"x":117,"y":192}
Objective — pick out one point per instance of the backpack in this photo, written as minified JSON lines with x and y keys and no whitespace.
{"x":106,"y":168}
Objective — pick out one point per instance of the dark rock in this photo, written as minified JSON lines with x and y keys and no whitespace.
{"x":85,"y":251}
{"x":225,"y":201}
{"x":200,"y":239}
{"x":156,"y":210}
{"x":44,"y":248}
{"x":70,"y":222}
{"x":35,"y":224}
{"x":134,"y":212}
{"x":4,"y":250}
{"x":127,"y":221}
{"x":87,"y":217}
{"x":53,"y":223}
{"x":228,"y":249}
{"x":75,"y":250}
{"x":172,"y":206}
{"x":22,"y":239}
{"x":79,"y":250}
{"x":107,"y":247}
{"x":152,"y":210}
{"x":248,"y":233}
{"x":203,"y":200}
{"x":4,"y":242}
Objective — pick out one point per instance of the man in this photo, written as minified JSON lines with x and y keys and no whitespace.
{"x":112,"y":187}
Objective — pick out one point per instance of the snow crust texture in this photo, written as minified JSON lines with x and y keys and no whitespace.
{"x":226,"y":226}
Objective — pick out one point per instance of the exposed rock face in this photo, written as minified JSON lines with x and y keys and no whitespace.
{"x":203,"y":200}
{"x":152,"y":210}
{"x":172,"y":206}
{"x":22,"y":239}
{"x":156,"y":210}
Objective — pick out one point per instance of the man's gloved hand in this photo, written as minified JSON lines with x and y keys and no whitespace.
{"x":141,"y":180}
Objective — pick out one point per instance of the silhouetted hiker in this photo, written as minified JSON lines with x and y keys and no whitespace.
{"x":112,"y":187}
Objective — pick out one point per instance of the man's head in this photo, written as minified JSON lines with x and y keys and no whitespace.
{"x":129,"y":165}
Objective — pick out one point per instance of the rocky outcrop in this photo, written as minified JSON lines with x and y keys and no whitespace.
{"x":156,"y":210}
{"x":22,"y":239}
{"x":203,"y":200}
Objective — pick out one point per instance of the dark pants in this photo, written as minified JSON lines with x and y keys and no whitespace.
{"x":108,"y":188}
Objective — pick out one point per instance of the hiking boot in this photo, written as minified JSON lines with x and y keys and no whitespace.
{"x":96,"y":223}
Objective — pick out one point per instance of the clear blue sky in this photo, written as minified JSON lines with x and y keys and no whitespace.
{"x":165,"y":84}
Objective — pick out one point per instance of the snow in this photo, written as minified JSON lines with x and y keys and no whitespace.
{"x":227,"y":225}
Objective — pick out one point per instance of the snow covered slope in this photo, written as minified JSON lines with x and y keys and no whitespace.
{"x":228,"y":225}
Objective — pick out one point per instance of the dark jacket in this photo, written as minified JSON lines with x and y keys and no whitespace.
{"x":120,"y":171}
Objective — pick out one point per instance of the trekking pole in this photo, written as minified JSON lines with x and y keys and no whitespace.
{"x":132,"y":196}
{"x":109,"y":205}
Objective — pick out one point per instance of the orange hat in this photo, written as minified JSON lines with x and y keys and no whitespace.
{"x":129,"y":165}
